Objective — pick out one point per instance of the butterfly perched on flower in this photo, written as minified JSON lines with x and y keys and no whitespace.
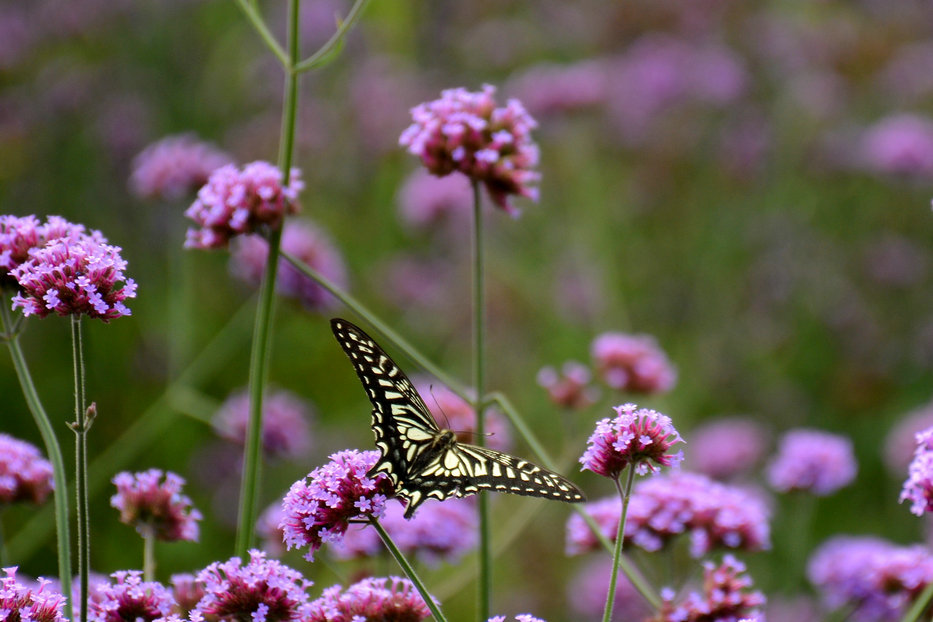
{"x":422,"y":460}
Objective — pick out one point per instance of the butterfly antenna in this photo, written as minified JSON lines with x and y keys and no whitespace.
{"x":440,"y":408}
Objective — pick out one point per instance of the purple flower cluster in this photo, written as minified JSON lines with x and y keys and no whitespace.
{"x":24,"y":474}
{"x":726,"y":596}
{"x":570,"y":386}
{"x":715,"y":515}
{"x":727,"y":447}
{"x":437,"y":532}
{"x":156,"y":506}
{"x":263,"y":590}
{"x":454,"y":413}
{"x":175,"y":167}
{"x":426,"y":201}
{"x":307,"y":243}
{"x":236,"y":202}
{"x":556,"y":89}
{"x":373,"y":599}
{"x":464,"y":131}
{"x":21,"y":603}
{"x":636,"y":436}
{"x":632,"y":363}
{"x":128,"y":597}
{"x":318,"y":509}
{"x":918,"y":488}
{"x":875,"y":577}
{"x":586,"y":593}
{"x":60,"y":268}
{"x":285,"y":428}
{"x":812,"y":461}
{"x":899,"y":145}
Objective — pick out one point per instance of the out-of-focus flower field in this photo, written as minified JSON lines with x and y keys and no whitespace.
{"x":747,"y":185}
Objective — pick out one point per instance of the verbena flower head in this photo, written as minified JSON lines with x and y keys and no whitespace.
{"x":812,"y":461}
{"x":175,"y":167}
{"x":285,"y":427}
{"x":726,"y":595}
{"x":235,"y":202}
{"x":73,"y":273}
{"x":918,"y":488}
{"x":317,"y":509}
{"x":454,"y":413}
{"x":370,"y":600}
{"x":187,"y":592}
{"x":437,"y":532}
{"x":632,"y":363}
{"x":24,"y":474}
{"x":464,"y":131}
{"x":727,"y":447}
{"x":899,"y":145}
{"x":307,"y":243}
{"x":426,"y":201}
{"x":19,"y":235}
{"x":714,"y":515}
{"x":570,"y":386}
{"x":586,"y":593}
{"x":155,"y":505}
{"x":21,"y":603}
{"x":876,"y":578}
{"x":129,"y":599}
{"x":262,"y":590}
{"x":636,"y":436}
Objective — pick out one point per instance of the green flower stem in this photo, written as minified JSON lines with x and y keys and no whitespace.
{"x":381,"y":327}
{"x":479,"y":370}
{"x":4,"y":554}
{"x":149,"y":562}
{"x":81,"y":425}
{"x":52,"y":448}
{"x":920,"y":605}
{"x":251,"y":10}
{"x":624,"y":495}
{"x":335,"y":43}
{"x":261,"y":348}
{"x":408,"y":570}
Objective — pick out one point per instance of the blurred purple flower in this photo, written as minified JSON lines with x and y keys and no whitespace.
{"x":235,"y":202}
{"x":308,"y":244}
{"x":21,"y":603}
{"x":633,"y":363}
{"x":318,"y":509}
{"x":426,"y":201}
{"x":919,"y":485}
{"x":175,"y":167}
{"x":285,"y":417}
{"x":465,"y":131}
{"x":895,"y":261}
{"x":663,"y":507}
{"x":557,"y":89}
{"x":371,"y":599}
{"x":269,"y":528}
{"x":908,"y":76}
{"x":187,"y":592}
{"x":727,"y":447}
{"x":875,"y":578}
{"x":587,"y":591}
{"x":24,"y":474}
{"x":17,"y":36}
{"x":129,"y":598}
{"x":155,"y":506}
{"x":73,"y":273}
{"x":262,"y":590}
{"x":437,"y":532}
{"x":522,"y":617}
{"x":898,"y":145}
{"x":454,"y":413}
{"x":901,"y":441}
{"x":726,"y":596}
{"x":812,"y":461}
{"x":635,"y":436}
{"x":570,"y":387}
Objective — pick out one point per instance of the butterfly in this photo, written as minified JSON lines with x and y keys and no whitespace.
{"x":422,"y":460}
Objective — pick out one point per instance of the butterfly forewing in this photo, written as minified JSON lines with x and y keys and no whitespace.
{"x":423,"y":461}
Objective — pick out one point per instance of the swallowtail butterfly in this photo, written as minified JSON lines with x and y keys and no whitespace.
{"x":423,"y":461}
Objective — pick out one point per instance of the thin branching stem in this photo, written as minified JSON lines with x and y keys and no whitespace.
{"x":624,"y":496}
{"x":333,"y":45}
{"x":80,"y":426}
{"x":251,"y":10}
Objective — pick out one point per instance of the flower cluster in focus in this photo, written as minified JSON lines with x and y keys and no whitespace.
{"x":24,"y":474}
{"x":464,"y":131}
{"x":635,"y":436}
{"x":812,"y":461}
{"x":373,"y":599}
{"x":918,"y":488}
{"x":726,"y":595}
{"x":155,"y":506}
{"x":128,"y":597}
{"x":285,"y":428}
{"x":21,"y":603}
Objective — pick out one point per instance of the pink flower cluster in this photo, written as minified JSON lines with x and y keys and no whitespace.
{"x":175,"y":167}
{"x":129,"y":598}
{"x":236,"y":202}
{"x":19,"y":602}
{"x":285,"y":427}
{"x":918,"y":488}
{"x":24,"y":474}
{"x":635,"y":436}
{"x":387,"y":599}
{"x":464,"y":131}
{"x":812,"y":461}
{"x":569,"y":386}
{"x":156,"y":506}
{"x":726,"y":596}
{"x":632,"y":363}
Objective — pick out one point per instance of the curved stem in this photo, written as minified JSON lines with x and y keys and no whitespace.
{"x":409,"y":570}
{"x":80,"y":427}
{"x":336,"y":41}
{"x":252,"y":14}
{"x":624,"y":496}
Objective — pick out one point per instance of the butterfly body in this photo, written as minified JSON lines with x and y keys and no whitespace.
{"x":422,"y":460}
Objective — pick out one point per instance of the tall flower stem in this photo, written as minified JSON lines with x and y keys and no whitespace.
{"x":81,"y":425}
{"x":408,"y":569}
{"x":52,"y":448}
{"x":149,"y":562}
{"x":624,"y":495}
{"x":479,"y":372}
{"x":260,"y":352}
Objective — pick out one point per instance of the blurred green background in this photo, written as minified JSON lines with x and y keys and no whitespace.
{"x":778,"y":256}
